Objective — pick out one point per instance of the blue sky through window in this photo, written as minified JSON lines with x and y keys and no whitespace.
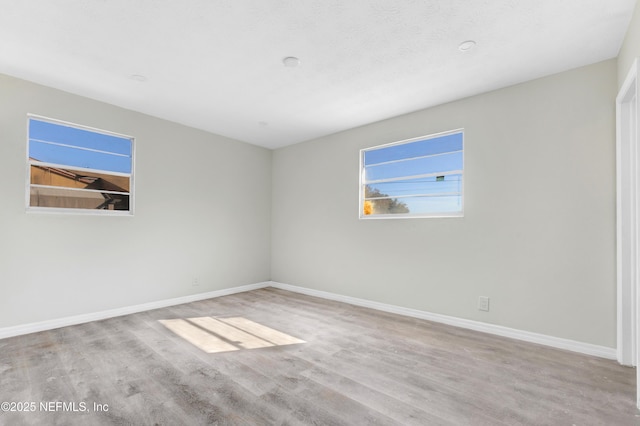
{"x":389,"y":171}
{"x":72,"y":147}
{"x":438,"y":145}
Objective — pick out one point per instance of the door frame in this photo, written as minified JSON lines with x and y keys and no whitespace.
{"x":628,"y":218}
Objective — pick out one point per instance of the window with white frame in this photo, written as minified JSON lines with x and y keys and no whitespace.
{"x":74,"y":168}
{"x":420,"y":177}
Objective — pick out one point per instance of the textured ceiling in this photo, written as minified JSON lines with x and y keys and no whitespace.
{"x":217,"y":65}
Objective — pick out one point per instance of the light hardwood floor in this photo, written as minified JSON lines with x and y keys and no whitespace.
{"x":357,"y":367}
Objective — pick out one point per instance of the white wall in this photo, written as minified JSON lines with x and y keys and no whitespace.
{"x":630,"y":47}
{"x":538,"y":236}
{"x":202,"y":210}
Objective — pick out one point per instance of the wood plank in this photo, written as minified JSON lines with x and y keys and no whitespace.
{"x":356,"y":366}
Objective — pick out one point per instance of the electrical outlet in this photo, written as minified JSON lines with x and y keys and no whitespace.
{"x":483,"y":303}
{"x":195,"y":282}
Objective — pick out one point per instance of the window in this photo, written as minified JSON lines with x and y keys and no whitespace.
{"x":421,"y":177}
{"x":78,"y":169}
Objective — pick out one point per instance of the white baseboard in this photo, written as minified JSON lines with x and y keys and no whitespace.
{"x":527,"y":336}
{"x":556,"y":342}
{"x":96,"y":316}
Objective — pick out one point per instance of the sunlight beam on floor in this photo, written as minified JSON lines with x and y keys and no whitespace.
{"x":213,"y":335}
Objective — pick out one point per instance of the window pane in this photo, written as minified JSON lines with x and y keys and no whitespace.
{"x":67,"y":135}
{"x":419,"y":177}
{"x":414,"y":205}
{"x":418,"y":166}
{"x":74,"y":157}
{"x":437,"y":145}
{"x":423,"y":186}
{"x":52,"y":176}
{"x":77,"y":199}
{"x":73,"y":167}
{"x":434,"y":205}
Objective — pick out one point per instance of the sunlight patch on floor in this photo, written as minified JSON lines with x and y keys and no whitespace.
{"x":214,"y":335}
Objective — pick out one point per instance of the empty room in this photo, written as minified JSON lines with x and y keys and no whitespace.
{"x":276,"y":212}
